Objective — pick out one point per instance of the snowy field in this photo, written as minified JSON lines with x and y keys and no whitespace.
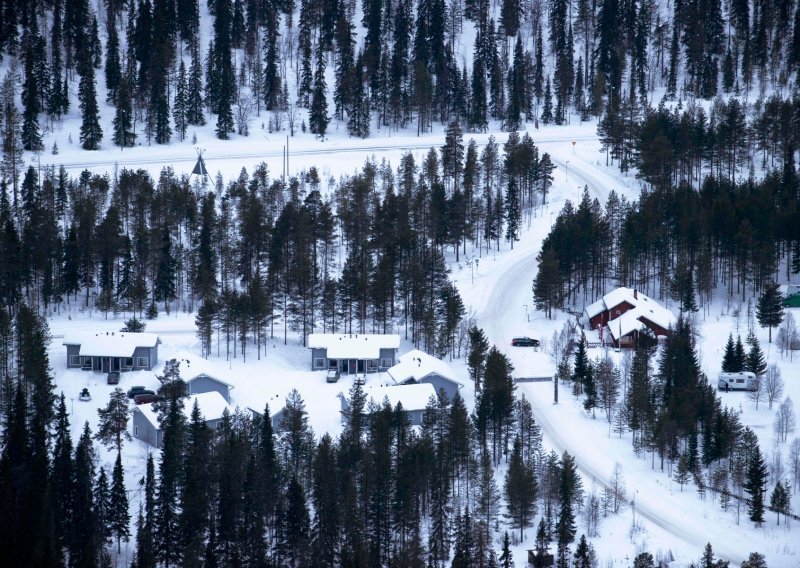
{"x":497,"y":289}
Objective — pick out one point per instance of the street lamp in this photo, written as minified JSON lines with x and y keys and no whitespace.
{"x":526,"y":312}
{"x":566,"y":170}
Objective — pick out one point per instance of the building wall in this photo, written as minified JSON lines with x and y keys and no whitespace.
{"x":144,"y":430}
{"x":208,"y":384}
{"x":319,"y":354}
{"x":387,"y":354}
{"x":439,"y":382}
{"x":146,"y":352}
{"x":73,"y":350}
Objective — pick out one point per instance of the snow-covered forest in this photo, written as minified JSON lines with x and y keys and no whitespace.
{"x":690,"y":106}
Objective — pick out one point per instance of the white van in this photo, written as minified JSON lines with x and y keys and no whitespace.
{"x":743,"y":380}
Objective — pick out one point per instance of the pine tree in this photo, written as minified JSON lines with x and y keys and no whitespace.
{"x":179,"y":108}
{"x":740,"y":357}
{"x":358,"y":113}
{"x":113,"y":425}
{"x":590,"y":390}
{"x":682,"y":472}
{"x":779,"y":500}
{"x":297,"y":524}
{"x":118,"y":516}
{"x":61,"y":473}
{"x":85,"y":542}
{"x":145,"y":525}
{"x":318,"y":114}
{"x":166,"y":530}
{"x":91,"y":133}
{"x":513,"y":214}
{"x":548,"y":286}
{"x":580,"y":367}
{"x":164,"y":285}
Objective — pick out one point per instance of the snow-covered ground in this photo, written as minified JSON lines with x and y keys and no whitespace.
{"x":497,"y":289}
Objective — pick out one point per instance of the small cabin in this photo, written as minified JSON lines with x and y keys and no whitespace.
{"x":112,"y":351}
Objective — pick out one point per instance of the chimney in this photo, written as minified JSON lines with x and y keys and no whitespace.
{"x":635,"y":295}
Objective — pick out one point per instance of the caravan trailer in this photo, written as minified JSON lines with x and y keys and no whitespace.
{"x":743,"y":380}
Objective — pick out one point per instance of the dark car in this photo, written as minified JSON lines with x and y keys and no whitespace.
{"x":133,"y":391}
{"x":525,"y":342}
{"x":145,"y":398}
{"x":113,"y":378}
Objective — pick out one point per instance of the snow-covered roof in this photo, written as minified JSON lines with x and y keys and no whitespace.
{"x":595,"y":308}
{"x":622,"y":294}
{"x":624,"y":324}
{"x":211,"y":404}
{"x":652,"y":311}
{"x":417,"y":364}
{"x":207,"y":376}
{"x":412,"y":397}
{"x":110,"y":343}
{"x":353,"y":345}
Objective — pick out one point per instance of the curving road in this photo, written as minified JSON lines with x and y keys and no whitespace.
{"x":501,"y":306}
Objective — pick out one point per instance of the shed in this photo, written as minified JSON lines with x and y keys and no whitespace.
{"x":112,"y":351}
{"x":419,"y":367}
{"x":353,"y":352}
{"x":206,"y":383}
{"x":145,"y":419}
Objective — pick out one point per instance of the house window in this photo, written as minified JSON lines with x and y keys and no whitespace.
{"x":136,"y":431}
{"x":319,"y":362}
{"x":386,"y":362}
{"x":74,"y":360}
{"x":128,"y":362}
{"x":372,"y":365}
{"x":141,"y":361}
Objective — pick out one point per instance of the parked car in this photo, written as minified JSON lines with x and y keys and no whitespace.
{"x":113,"y":378}
{"x":332,"y":376}
{"x":360,"y":379}
{"x":85,"y":396}
{"x":525,"y":342}
{"x":145,"y":398}
{"x":133,"y":391}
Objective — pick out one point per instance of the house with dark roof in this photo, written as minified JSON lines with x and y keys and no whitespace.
{"x":112,"y":351}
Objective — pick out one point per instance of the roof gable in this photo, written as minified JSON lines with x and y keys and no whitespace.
{"x":417,"y":364}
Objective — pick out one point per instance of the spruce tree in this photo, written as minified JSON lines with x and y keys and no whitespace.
{"x":102,"y":507}
{"x":173,"y":422}
{"x":194,"y":89}
{"x":118,"y":516}
{"x":91,"y":133}
{"x":31,"y":105}
{"x":196,"y":479}
{"x":769,"y":309}
{"x":739,"y":355}
{"x":755,"y":362}
{"x":476,"y":359}
{"x":113,"y":68}
{"x":318,"y":114}
{"x":85,"y":541}
{"x":729,"y":356}
{"x":755,"y":485}
{"x":179,"y":107}
{"x":520,"y":489}
{"x":547,"y":109}
{"x":513,"y":213}
{"x":506,"y":559}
